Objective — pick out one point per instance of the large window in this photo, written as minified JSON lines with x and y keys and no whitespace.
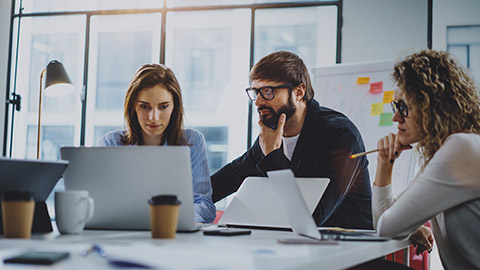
{"x":208,"y":51}
{"x":44,"y":39}
{"x":464,"y":43}
{"x":210,"y":45}
{"x":119,"y":45}
{"x":309,"y":32}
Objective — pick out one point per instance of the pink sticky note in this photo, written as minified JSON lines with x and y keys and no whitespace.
{"x":376,"y":87}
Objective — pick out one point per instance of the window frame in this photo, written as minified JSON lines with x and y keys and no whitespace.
{"x":9,"y":117}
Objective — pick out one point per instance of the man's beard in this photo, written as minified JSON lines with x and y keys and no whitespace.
{"x":288,"y":109}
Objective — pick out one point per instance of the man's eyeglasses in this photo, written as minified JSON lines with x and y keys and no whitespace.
{"x":400,"y":106}
{"x":267,"y":92}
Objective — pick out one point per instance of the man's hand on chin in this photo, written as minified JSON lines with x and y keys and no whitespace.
{"x":270,"y":140}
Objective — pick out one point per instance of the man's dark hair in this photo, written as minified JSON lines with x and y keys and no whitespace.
{"x":284,"y":67}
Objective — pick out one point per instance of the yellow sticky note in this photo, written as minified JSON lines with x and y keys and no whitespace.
{"x":377,"y":109}
{"x":363,"y":80}
{"x":387,"y":96}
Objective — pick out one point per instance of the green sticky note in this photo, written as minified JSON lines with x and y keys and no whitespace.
{"x":386,"y":119}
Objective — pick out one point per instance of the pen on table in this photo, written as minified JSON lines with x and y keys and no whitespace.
{"x":117,"y":263}
{"x":94,"y":248}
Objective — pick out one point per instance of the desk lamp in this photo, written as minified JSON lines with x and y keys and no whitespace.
{"x":57,"y":83}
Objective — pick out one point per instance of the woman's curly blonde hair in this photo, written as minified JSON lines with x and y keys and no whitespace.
{"x":443,"y":96}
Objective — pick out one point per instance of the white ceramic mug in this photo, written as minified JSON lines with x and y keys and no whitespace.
{"x":73,"y":208}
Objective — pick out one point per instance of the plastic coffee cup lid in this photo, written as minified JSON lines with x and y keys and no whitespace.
{"x":14,"y":195}
{"x":164,"y":199}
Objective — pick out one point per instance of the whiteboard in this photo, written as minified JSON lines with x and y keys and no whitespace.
{"x":363,"y":91}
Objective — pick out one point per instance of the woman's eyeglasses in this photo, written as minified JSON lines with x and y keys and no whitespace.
{"x":400,"y":106}
{"x":267,"y":92}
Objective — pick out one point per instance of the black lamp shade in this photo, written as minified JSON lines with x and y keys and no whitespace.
{"x":55,"y":74}
{"x":57,"y":82}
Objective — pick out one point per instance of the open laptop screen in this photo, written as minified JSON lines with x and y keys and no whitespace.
{"x":300,"y":218}
{"x":121,"y":180}
{"x":257,"y":204}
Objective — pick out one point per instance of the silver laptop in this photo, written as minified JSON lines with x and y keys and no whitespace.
{"x":257,"y":204}
{"x":122,"y":179}
{"x":298,"y":214}
{"x":300,"y":217}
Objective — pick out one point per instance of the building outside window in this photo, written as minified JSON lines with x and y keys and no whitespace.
{"x":310,"y":32}
{"x":464,"y":43}
{"x":209,"y":53}
{"x":119,"y":45}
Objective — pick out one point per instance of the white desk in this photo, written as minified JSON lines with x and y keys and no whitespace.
{"x":259,"y":250}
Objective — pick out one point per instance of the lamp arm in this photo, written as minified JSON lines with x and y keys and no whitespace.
{"x":39,"y":114}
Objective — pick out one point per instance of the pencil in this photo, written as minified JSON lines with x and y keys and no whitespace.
{"x":363,"y":153}
{"x":403,"y":147}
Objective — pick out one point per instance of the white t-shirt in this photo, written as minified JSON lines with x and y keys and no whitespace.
{"x":289,"y":145}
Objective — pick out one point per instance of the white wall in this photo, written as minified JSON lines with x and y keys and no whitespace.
{"x":450,"y":13}
{"x":383,"y":29}
{"x":5,"y":9}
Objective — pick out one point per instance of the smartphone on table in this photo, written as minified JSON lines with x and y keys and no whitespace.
{"x":38,"y":257}
{"x":227,"y":232}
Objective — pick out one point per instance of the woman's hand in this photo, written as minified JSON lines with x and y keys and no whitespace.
{"x":422,"y":239}
{"x":389,"y":149}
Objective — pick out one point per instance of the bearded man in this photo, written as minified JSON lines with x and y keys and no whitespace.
{"x":313,"y":141}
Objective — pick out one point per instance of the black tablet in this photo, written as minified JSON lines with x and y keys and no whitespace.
{"x":36,"y":176}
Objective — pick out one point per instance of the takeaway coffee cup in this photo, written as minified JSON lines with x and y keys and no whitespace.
{"x":164,"y":215}
{"x":73,"y":208}
{"x":17,"y":214}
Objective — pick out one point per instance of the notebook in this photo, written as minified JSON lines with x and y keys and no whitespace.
{"x":257,"y":204}
{"x":121,"y":180}
{"x":299,"y":215}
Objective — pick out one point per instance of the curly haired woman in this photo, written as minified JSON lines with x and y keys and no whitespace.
{"x":437,"y":108}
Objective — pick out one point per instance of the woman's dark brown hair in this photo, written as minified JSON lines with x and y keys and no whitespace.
{"x":148,"y":76}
